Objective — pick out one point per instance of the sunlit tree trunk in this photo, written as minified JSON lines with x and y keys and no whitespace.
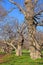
{"x":18,"y":51}
{"x":19,"y":44}
{"x":34,"y":46}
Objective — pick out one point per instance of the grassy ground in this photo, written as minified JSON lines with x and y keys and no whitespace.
{"x":25,"y":59}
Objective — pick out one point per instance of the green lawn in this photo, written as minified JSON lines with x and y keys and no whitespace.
{"x":25,"y":59}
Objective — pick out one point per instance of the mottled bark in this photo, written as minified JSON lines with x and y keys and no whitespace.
{"x":18,"y":51}
{"x":34,"y":46}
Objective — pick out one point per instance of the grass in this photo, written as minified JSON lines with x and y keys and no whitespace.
{"x":25,"y":59}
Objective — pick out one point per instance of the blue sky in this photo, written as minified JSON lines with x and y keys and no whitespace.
{"x":16,"y":13}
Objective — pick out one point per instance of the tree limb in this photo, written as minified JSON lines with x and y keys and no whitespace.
{"x":20,"y":8}
{"x":35,"y":1}
{"x":10,"y":44}
{"x":38,"y":13}
{"x":40,"y":24}
{"x":11,"y":10}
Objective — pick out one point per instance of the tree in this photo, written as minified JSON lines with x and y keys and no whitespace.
{"x":30,"y":16}
{"x":8,"y":33}
{"x":3,"y":12}
{"x":32,"y":23}
{"x":13,"y":36}
{"x":20,"y":39}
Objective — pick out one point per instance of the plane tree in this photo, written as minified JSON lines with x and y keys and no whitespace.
{"x":31,"y":19}
{"x":30,"y":16}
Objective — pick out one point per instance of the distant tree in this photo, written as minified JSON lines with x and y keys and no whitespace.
{"x":20,"y":38}
{"x":13,"y":36}
{"x":9,"y":33}
{"x":3,"y":12}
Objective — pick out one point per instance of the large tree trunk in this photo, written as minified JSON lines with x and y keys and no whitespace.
{"x":18,"y":51}
{"x":34,"y":46}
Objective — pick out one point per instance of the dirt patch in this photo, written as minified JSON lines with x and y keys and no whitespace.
{"x":1,"y":57}
{"x":4,"y":57}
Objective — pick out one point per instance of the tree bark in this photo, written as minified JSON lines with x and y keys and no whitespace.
{"x":34,"y":46}
{"x":18,"y":51}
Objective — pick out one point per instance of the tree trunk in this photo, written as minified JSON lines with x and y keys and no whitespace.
{"x":34,"y":46}
{"x":18,"y":51}
{"x":35,"y":51}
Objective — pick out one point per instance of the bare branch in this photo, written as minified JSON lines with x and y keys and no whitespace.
{"x":38,"y":13}
{"x":3,"y":12}
{"x":13,"y":46}
{"x":20,"y":8}
{"x":10,"y":44}
{"x":39,"y":6}
{"x":40,"y":24}
{"x":11,"y":10}
{"x":35,"y":1}
{"x":23,"y":27}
